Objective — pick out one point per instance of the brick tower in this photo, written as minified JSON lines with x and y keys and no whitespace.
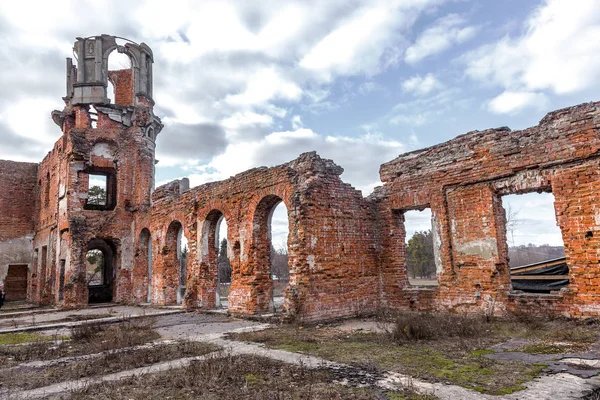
{"x":96,"y":184}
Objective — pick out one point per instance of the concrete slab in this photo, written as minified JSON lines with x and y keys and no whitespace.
{"x":71,"y":318}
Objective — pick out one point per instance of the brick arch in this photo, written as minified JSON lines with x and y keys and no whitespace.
{"x":261,"y":250}
{"x":207,"y":254}
{"x":104,"y":291}
{"x":169,"y":265}
{"x":142,"y":269}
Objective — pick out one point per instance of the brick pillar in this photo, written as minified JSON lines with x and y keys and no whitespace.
{"x":577,"y":195}
{"x":480,"y":275}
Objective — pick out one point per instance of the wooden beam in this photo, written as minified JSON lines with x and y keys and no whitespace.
{"x":539,"y":277}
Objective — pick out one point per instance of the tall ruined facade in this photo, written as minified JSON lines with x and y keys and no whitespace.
{"x":113,"y":142}
{"x":347,"y":253}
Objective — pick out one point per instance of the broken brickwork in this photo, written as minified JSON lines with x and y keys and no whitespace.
{"x":462,"y":181}
{"x":115,"y":141}
{"x":346,"y":252}
{"x":332,"y":258}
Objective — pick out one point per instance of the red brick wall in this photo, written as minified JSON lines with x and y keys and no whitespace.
{"x":18,"y":196}
{"x":331,"y":245}
{"x":122,"y":81}
{"x":66,"y":227}
{"x":462,"y":180}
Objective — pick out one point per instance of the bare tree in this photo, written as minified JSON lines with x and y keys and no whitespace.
{"x":279,"y":263}
{"x":512,"y":222}
{"x":223,"y":263}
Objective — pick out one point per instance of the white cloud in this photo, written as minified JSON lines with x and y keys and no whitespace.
{"x":421,"y":86}
{"x":297,"y":122}
{"x":512,"y":102}
{"x":558,"y":52}
{"x":263,"y":86}
{"x":534,"y":219}
{"x":443,"y":34}
{"x":236,"y":68}
{"x":353,"y":47}
{"x":241,"y":119}
{"x":359,"y":156}
{"x":370,"y":40}
{"x":28,"y":117}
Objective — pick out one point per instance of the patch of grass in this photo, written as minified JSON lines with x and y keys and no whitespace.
{"x":482,"y":352}
{"x":109,"y":363}
{"x":238,"y":377}
{"x":553,"y":348}
{"x":19,"y":338}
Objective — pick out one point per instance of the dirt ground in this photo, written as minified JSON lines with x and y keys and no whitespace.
{"x":493,"y":357}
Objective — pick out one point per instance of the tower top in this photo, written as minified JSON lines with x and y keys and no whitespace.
{"x":87,"y":83}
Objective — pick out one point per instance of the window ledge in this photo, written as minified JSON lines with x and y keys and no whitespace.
{"x":519,"y":294}
{"x":410,"y":288}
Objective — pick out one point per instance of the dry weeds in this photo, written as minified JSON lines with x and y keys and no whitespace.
{"x":238,"y":377}
{"x":110,"y":362}
{"x":85,"y":339}
{"x":433,"y":347}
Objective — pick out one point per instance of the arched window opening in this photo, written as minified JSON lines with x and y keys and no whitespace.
{"x":150,"y":259}
{"x":120,"y":79}
{"x":280,"y":272}
{"x":223,"y":263}
{"x":270,"y":237}
{"x":174,"y":260}
{"x":143,"y":267}
{"x":182,"y":261}
{"x":214,"y":257}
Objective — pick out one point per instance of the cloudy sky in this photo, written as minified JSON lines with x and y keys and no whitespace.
{"x":240,"y":84}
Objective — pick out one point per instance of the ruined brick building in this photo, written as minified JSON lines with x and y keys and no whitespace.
{"x":346,"y":252}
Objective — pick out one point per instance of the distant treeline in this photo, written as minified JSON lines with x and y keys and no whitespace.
{"x":523,"y":255}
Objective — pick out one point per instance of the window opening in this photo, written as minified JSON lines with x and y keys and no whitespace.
{"x":61,"y":284}
{"x":280,"y":273}
{"x":419,"y":251}
{"x":150,"y":260}
{"x":536,"y":253}
{"x":223,"y":264}
{"x":97,"y":190}
{"x":182,"y":258}
{"x":93,"y":116}
{"x":120,"y":76}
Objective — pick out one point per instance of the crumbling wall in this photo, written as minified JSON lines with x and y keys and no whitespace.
{"x":113,"y":141}
{"x":126,"y":155}
{"x":462,"y":181}
{"x":331,"y":243}
{"x":346,"y":253}
{"x":123,"y":83}
{"x":18,"y":195}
